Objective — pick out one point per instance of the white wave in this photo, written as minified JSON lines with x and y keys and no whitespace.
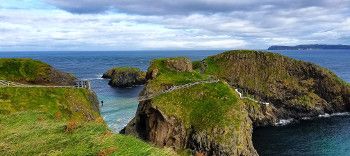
{"x":341,"y":114}
{"x":326,"y":115}
{"x":306,"y":118}
{"x":283,"y":122}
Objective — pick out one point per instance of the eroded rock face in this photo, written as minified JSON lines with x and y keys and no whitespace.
{"x":179,"y":64}
{"x":125,"y":77}
{"x":152,"y":125}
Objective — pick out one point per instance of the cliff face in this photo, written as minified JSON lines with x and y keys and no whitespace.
{"x":295,"y":89}
{"x":184,"y":118}
{"x":33,"y":72}
{"x":125,"y":77}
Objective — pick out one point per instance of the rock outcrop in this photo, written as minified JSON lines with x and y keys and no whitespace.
{"x":213,"y":119}
{"x":125,"y":77}
{"x":179,"y":64}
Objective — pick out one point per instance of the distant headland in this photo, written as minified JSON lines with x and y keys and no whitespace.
{"x":309,"y":47}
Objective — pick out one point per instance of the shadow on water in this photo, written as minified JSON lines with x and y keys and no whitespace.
{"x":322,"y":136}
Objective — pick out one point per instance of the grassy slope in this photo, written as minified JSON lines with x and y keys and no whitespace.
{"x":59,"y":121}
{"x":272,"y":75}
{"x":22,"y":69}
{"x":203,"y":106}
{"x":56,"y":121}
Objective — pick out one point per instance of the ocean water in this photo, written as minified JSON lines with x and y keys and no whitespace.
{"x":326,"y":136}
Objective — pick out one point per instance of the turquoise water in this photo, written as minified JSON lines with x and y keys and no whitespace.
{"x":326,"y":136}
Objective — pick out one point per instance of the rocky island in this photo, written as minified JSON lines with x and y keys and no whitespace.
{"x":309,"y":47}
{"x":125,"y":77}
{"x":44,"y":119}
{"x":252,"y":89}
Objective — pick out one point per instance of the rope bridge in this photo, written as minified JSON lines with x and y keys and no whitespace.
{"x":173,"y":88}
{"x":87,"y":84}
{"x":78,"y":84}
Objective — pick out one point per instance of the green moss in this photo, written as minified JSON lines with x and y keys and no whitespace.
{"x":60,"y":121}
{"x":23,"y":69}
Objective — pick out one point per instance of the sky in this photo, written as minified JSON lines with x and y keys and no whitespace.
{"x":90,"y":25}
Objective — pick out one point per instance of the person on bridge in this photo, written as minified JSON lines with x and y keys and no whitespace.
{"x":102,"y":103}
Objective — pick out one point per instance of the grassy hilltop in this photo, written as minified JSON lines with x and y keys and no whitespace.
{"x":33,"y":72}
{"x":284,"y":81}
{"x":56,"y":121}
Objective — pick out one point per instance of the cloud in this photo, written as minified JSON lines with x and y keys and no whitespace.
{"x":164,"y":24}
{"x":161,"y":7}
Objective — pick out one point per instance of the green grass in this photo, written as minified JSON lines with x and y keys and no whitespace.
{"x":22,"y":69}
{"x":71,"y":103}
{"x":60,"y":121}
{"x":37,"y":133}
{"x":203,"y":106}
{"x":168,"y":77}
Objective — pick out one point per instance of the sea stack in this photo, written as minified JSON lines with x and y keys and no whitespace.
{"x":125,"y":77}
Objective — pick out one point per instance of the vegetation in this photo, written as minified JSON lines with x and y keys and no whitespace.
{"x":116,"y":70}
{"x":195,"y":105}
{"x":32,"y":71}
{"x":167,"y":77}
{"x":22,"y":69}
{"x":56,"y":121}
{"x":206,"y":108}
{"x":276,"y":78}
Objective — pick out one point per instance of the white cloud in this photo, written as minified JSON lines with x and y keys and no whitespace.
{"x":262,"y":25}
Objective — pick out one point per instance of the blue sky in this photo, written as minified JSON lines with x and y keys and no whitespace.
{"x":44,"y":25}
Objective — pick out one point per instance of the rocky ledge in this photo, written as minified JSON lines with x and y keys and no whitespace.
{"x":214,"y":119}
{"x":125,"y":77}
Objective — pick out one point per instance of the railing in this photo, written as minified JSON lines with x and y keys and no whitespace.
{"x":78,"y":84}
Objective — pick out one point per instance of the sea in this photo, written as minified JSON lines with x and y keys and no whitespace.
{"x":322,"y":136}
